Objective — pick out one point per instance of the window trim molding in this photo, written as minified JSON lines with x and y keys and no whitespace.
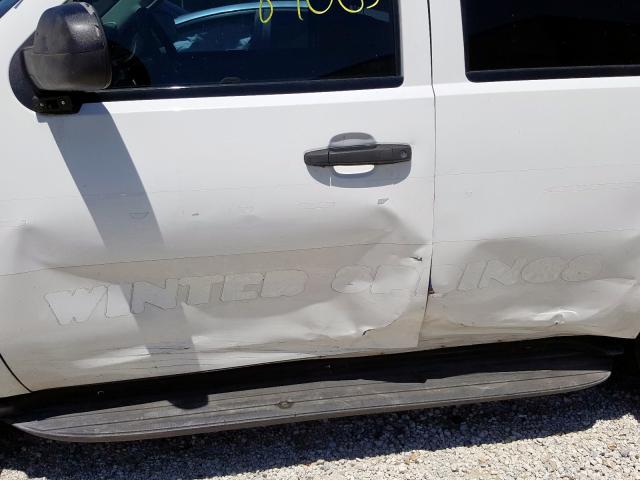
{"x":245,"y":89}
{"x":552,"y":73}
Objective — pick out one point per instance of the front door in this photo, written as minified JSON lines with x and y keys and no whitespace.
{"x":182,"y":221}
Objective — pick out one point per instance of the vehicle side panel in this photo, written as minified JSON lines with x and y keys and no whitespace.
{"x":536,"y":219}
{"x":157,"y":237}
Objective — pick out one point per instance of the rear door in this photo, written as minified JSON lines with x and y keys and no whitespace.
{"x":173,"y":226}
{"x":538,"y":174}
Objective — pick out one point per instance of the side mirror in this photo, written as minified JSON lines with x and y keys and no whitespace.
{"x":70,"y":51}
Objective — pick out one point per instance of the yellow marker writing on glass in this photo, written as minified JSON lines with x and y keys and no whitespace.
{"x":269,"y":8}
{"x":261,"y":11}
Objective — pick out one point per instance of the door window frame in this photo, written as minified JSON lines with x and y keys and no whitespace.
{"x":260,"y":88}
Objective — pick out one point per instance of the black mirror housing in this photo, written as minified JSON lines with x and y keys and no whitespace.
{"x":70,"y":51}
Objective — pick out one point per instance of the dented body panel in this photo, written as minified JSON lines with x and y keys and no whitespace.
{"x":145,"y":238}
{"x":127,"y":320}
{"x":535,"y":220}
{"x":181,"y":235}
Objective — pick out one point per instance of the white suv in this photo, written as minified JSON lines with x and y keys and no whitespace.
{"x":224,"y":213}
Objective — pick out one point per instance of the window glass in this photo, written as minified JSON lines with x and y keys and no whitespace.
{"x":5,"y":6}
{"x":552,"y":38}
{"x":166,"y":43}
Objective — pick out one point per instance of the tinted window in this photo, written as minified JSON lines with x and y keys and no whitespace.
{"x":551,"y":38}
{"x":163,"y":43}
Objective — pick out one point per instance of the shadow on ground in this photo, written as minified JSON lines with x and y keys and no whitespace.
{"x":253,"y":451}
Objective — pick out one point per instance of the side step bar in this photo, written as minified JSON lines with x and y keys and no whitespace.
{"x":331,"y":389}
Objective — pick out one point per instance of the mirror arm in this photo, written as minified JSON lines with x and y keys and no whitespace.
{"x":52,"y":104}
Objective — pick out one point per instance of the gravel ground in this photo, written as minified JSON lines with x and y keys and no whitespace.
{"x":589,"y":434}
